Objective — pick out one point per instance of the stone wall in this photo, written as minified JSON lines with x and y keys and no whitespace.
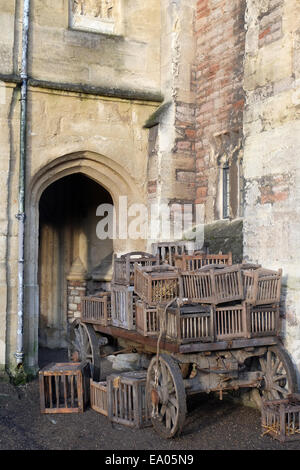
{"x":86,"y":114}
{"x":218,"y":80}
{"x":272,"y":149}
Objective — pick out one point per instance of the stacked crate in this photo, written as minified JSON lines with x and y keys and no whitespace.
{"x":214,"y":299}
{"x":155,"y":286}
{"x":244,"y":298}
{"x":262,"y":288}
{"x":123,"y":296}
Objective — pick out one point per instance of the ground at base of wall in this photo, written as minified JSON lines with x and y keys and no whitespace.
{"x":211,"y":424}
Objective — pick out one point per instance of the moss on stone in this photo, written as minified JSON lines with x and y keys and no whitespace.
{"x":225,"y":236}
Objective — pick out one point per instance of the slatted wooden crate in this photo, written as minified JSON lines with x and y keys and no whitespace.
{"x":127,"y":402}
{"x":264,"y":320}
{"x":262,"y":286}
{"x":197,"y":261}
{"x":96,"y":309}
{"x":211,"y":285}
{"x":147,"y":319}
{"x":98,"y":397}
{"x":156,"y":284}
{"x":245,"y":321}
{"x":166,"y":251}
{"x":123,"y":307}
{"x":123,"y":266}
{"x":281,"y":418}
{"x":64,"y":387}
{"x":189,"y":323}
{"x":230,"y":322}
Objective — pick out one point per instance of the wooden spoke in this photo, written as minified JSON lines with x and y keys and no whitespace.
{"x":85,"y":345}
{"x":168,"y":415}
{"x":279,"y":377}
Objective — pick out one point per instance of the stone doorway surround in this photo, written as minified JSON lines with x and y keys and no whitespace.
{"x":107,"y":173}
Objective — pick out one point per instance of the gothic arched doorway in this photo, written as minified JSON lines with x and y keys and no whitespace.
{"x":67,"y":232}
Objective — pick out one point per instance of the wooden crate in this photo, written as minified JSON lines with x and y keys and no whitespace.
{"x":281,"y":418}
{"x":166,"y":251}
{"x":246,"y":321}
{"x":127,"y":402}
{"x":123,"y":266}
{"x":98,"y":397}
{"x":262,"y":286}
{"x":230,"y":322}
{"x":156,"y":284}
{"x":212,"y":285}
{"x":123,"y":306}
{"x":64,"y":387}
{"x":147,"y":319}
{"x":96,"y":309}
{"x":189,"y":323}
{"x":264,"y":320}
{"x":197,"y":261}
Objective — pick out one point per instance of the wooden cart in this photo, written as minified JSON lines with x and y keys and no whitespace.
{"x":194,"y":348}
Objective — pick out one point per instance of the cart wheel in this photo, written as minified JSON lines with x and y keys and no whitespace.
{"x":85,"y":346}
{"x":279,"y":375}
{"x":168,"y":398}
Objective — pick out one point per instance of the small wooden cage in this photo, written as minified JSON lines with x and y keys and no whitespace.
{"x":98,"y":397}
{"x":262,"y":286}
{"x":64,"y":387}
{"x":281,"y":418}
{"x":156,"y":284}
{"x":147,"y":319}
{"x":264,"y":320}
{"x":97,"y":309}
{"x":123,"y":266}
{"x":167,"y":251}
{"x":197,"y":261}
{"x":123,"y":304}
{"x":212,"y":285}
{"x":189,"y":323}
{"x":127,"y":403}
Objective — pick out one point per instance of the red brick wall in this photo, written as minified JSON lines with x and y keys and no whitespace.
{"x":220,"y":37}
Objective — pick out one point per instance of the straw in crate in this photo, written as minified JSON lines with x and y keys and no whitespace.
{"x":281,"y":418}
{"x":156,"y":284}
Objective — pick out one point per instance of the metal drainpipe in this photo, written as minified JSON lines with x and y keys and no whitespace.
{"x":22,"y":171}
